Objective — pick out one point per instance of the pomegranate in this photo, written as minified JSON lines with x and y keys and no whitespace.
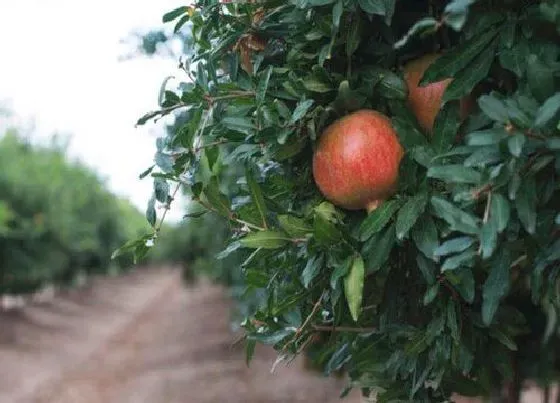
{"x":356,"y":162}
{"x":425,"y":101}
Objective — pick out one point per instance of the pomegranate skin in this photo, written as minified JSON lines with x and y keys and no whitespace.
{"x":425,"y":101}
{"x":356,"y":163}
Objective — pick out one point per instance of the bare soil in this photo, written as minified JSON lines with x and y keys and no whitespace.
{"x":142,"y":338}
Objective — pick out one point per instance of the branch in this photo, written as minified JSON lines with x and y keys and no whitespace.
{"x":348,"y":329}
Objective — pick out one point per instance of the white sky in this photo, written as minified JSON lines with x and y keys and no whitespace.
{"x":59,"y":67}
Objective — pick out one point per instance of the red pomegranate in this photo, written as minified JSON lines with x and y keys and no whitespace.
{"x":425,"y":101}
{"x":356,"y":163}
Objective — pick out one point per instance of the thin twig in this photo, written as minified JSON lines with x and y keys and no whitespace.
{"x":349,"y":329}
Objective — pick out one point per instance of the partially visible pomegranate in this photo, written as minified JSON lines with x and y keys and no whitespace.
{"x":356,"y":163}
{"x":425,"y":101}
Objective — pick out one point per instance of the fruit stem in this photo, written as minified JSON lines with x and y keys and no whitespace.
{"x":372,"y":205}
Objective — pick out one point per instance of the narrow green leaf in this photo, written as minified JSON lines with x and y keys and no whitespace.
{"x":503,"y":338}
{"x":171,"y":15}
{"x":263,"y":84}
{"x":494,"y":108}
{"x":457,"y":219}
{"x":311,"y":270}
{"x":315,"y":85}
{"x":265,"y":239}
{"x":421,"y":28}
{"x":354,"y":287}
{"x":338,"y":9}
{"x":409,"y":213}
{"x":257,"y":196}
{"x":425,"y":236}
{"x":488,"y":238}
{"x":431,"y":294}
{"x":353,"y":36}
{"x":301,"y":109}
{"x":445,"y":127}
{"x":496,"y":285}
{"x":486,"y":137}
{"x":249,"y":350}
{"x":526,"y":205}
{"x":499,"y":211}
{"x":454,"y":61}
{"x":373,"y":6}
{"x":378,"y":218}
{"x":151,"y":211}
{"x":516,"y":143}
{"x":240,"y":124}
{"x":294,"y":226}
{"x":463,"y":259}
{"x":547,"y":111}
{"x":454,"y":245}
{"x":463,"y":281}
{"x":216,"y":198}
{"x":377,"y":249}
{"x":161,"y":189}
{"x":465,"y":80}
{"x":340,"y":271}
{"x":452,"y":322}
{"x":455,"y":174}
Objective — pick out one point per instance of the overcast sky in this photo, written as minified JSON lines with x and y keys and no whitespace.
{"x":59,"y":66}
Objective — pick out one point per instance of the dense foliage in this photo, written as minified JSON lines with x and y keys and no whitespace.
{"x":57,"y":219}
{"x":452,"y":285}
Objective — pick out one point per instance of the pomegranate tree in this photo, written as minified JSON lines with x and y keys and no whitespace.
{"x":367,"y":205}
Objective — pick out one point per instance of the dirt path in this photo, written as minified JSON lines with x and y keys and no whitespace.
{"x":142,"y":338}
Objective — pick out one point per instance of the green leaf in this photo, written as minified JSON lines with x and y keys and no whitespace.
{"x":454,"y":245}
{"x":503,"y":338}
{"x":456,"y":12}
{"x":445,"y":127}
{"x":463,"y":259}
{"x":463,"y":281}
{"x":455,"y":174}
{"x":240,"y":124}
{"x":488,"y":239}
{"x":421,"y":28}
{"x":263,"y":84}
{"x":377,"y":249}
{"x":486,"y":137}
{"x":452,"y":322}
{"x":354,"y":287}
{"x":378,"y":218}
{"x":267,"y":239}
{"x":340,"y":271}
{"x":373,"y":6}
{"x":496,"y":285}
{"x":146,"y":172}
{"x":249,"y":350}
{"x":315,"y":85}
{"x":449,"y":64}
{"x":548,"y":111}
{"x":431,"y":294}
{"x":151,"y":215}
{"x":425,"y":236}
{"x":216,"y":198}
{"x":540,"y":78}
{"x":526,"y":205}
{"x":301,"y":109}
{"x":338,"y":9}
{"x":391,"y":86}
{"x":457,"y":219}
{"x":171,"y":15}
{"x":516,"y":143}
{"x":494,"y":108}
{"x":257,"y":196}
{"x":499,"y":211}
{"x":465,"y":80}
{"x":409,"y":213}
{"x":353,"y":36}
{"x":161,"y":190}
{"x":294,"y":226}
{"x":311,"y":270}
